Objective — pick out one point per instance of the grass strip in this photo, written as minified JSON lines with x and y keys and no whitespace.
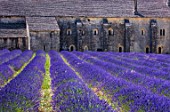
{"x":46,"y":91}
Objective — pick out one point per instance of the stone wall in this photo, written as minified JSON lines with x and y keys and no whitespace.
{"x":44,"y":41}
{"x":13,"y":33}
{"x":68,"y":33}
{"x":97,"y":34}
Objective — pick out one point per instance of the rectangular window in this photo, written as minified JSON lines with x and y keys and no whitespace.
{"x":163,"y":32}
{"x":160,"y":32}
{"x":142,"y":32}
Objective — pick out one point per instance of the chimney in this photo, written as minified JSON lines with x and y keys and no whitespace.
{"x":136,"y":7}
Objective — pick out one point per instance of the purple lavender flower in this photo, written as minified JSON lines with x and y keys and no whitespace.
{"x":70,"y":92}
{"x":127,"y":94}
{"x":23,"y":92}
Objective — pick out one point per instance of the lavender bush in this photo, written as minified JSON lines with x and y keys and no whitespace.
{"x":6,"y":72}
{"x":4,"y":51}
{"x":19,"y":61}
{"x":8,"y":56}
{"x":23,"y":92}
{"x":152,"y":83}
{"x":70,"y":92}
{"x":131,"y":97}
{"x":153,"y":72}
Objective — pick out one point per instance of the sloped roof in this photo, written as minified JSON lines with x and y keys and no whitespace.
{"x":12,"y":33}
{"x":155,"y":8}
{"x":42,"y":24}
{"x":92,"y":8}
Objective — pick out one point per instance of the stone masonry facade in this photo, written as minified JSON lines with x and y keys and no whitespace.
{"x":141,"y":32}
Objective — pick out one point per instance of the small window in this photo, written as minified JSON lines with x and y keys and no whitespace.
{"x":95,"y":32}
{"x":69,"y":32}
{"x":142,"y":32}
{"x":110,"y":32}
{"x":162,"y":32}
{"x":5,"y":40}
{"x":79,"y":31}
{"x":85,"y":48}
{"x":126,"y":21}
{"x":83,"y":32}
{"x":44,"y":48}
{"x":88,"y":20}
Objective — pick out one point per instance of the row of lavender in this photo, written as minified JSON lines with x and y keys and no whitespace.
{"x":70,"y":92}
{"x":12,"y":62}
{"x":156,"y":63}
{"x":23,"y":92}
{"x":134,"y":65}
{"x":119,"y":85}
{"x":156,"y":85}
{"x":122,"y":82}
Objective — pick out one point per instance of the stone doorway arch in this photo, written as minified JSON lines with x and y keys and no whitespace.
{"x":72,"y":48}
{"x":159,"y":50}
{"x":147,"y":49}
{"x":120,"y":49}
{"x":86,"y":48}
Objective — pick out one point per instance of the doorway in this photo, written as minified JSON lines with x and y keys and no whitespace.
{"x":85,"y":48}
{"x":120,"y":49}
{"x":147,"y":50}
{"x":72,"y":48}
{"x":159,"y":50}
{"x":100,"y":50}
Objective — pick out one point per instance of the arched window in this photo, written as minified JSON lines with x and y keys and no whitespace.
{"x":69,"y":32}
{"x":83,"y":32}
{"x":88,"y":20}
{"x":85,"y":48}
{"x":110,"y":32}
{"x":142,"y":32}
{"x":95,"y":32}
{"x":162,"y":32}
{"x":44,"y":47}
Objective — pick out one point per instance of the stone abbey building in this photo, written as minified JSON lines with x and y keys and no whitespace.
{"x":96,"y":25}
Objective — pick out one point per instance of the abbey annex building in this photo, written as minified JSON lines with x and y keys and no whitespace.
{"x":95,"y":25}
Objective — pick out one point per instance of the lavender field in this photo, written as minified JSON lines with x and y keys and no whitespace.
{"x":84,"y":82}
